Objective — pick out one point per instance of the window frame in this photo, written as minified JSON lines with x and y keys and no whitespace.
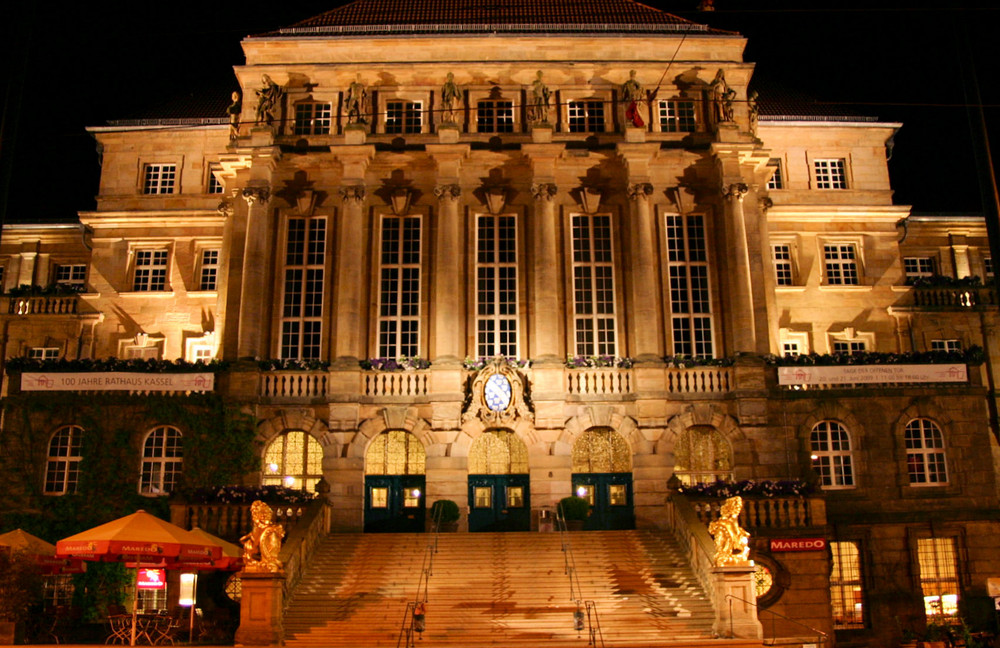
{"x":920,"y":457}
{"x":941,"y":576}
{"x":399,"y":317}
{"x":63,"y":469}
{"x":784,"y":268}
{"x":317,"y":120}
{"x":43,"y":353}
{"x":208,"y":269}
{"x":914,"y":271}
{"x":303,"y":288}
{"x":832,"y":455}
{"x":669,"y":118}
{"x":948,"y":345}
{"x":830,"y":173}
{"x":495,"y":119}
{"x":601,"y":275}
{"x":777,"y":180}
{"x":840,"y":263}
{"x":573,"y":123}
{"x":689,"y":285}
{"x":152,"y":184}
{"x":142,"y":283}
{"x":161,"y":469}
{"x":502,"y":260}
{"x":404,"y":124}
{"x":852,"y":582}
{"x":307,"y":478}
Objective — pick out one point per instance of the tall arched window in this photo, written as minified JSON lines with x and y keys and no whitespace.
{"x":498,"y":452}
{"x":702,"y":455}
{"x":830,"y":445}
{"x":601,"y":450}
{"x":925,"y":458}
{"x":293,"y":459}
{"x":395,"y":452}
{"x":162,"y":458}
{"x":62,"y":471}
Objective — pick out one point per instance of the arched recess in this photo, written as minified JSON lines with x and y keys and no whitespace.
{"x":395,"y":485}
{"x":300,"y":456}
{"x":602,"y":417}
{"x":602,"y":474}
{"x":389,"y":418}
{"x":474,"y":429}
{"x":704,"y":425}
{"x":831,"y":421}
{"x":499,"y":484}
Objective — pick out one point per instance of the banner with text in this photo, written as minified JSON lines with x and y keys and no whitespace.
{"x":853,"y":374}
{"x":117,"y":381}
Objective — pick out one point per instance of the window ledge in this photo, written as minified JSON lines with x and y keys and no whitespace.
{"x":789,"y":289}
{"x":147,"y":293}
{"x":844,"y":288}
{"x":203,"y":293}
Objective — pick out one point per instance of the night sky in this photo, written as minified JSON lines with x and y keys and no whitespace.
{"x":82,"y":64}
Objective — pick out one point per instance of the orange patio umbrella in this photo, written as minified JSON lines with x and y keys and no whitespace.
{"x":43,"y":553}
{"x":140,"y":538}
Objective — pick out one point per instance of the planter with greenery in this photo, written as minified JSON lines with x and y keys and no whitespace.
{"x":445,"y":512}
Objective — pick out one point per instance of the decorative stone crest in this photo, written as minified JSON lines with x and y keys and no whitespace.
{"x":736,"y":191}
{"x":498,"y":395}
{"x":400,"y":200}
{"x":352,"y":193}
{"x":256,"y":195}
{"x":544,"y":190}
{"x":447,"y":191}
{"x":589,"y":198}
{"x":638,"y":190}
{"x":496,"y":199}
{"x":225,"y":208}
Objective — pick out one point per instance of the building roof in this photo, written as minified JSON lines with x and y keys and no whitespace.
{"x":372,"y":17}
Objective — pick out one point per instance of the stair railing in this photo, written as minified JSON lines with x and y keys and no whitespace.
{"x":413,"y":616}
{"x":585,"y":615}
{"x":821,"y":637}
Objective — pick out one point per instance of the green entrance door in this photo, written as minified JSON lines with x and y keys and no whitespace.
{"x":394,"y":503}
{"x":610,"y":497}
{"x":499,"y":503}
{"x":395,"y":485}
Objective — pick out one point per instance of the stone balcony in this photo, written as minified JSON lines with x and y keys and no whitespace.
{"x":29,"y":305}
{"x":954,"y":297}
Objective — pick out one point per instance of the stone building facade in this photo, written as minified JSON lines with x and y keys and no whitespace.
{"x":557,"y":213}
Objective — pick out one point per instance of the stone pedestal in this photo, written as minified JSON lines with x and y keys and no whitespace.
{"x":260,"y":610}
{"x":735,"y":613}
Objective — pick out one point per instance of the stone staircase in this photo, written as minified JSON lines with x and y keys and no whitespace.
{"x":501,"y":588}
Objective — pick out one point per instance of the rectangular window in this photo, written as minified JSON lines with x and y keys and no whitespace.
{"x":496,"y":286}
{"x":58,"y":590}
{"x":159,"y":179}
{"x":403,"y":117}
{"x":938,"y":558}
{"x":585,"y":491}
{"x":515,"y":497}
{"x":676,"y":116}
{"x":849,"y":346}
{"x":689,"y":286}
{"x":946,"y":345}
{"x":988,"y":267}
{"x":617,"y":495}
{"x":830,"y":174}
{"x":302,"y":298}
{"x":495,"y":117}
{"x":586,"y":116}
{"x":214,"y":184}
{"x":846,"y":593}
{"x":593,"y":286}
{"x":841,"y":265}
{"x":71,"y":274}
{"x":150,"y":270}
{"x":380,"y":497}
{"x":399,"y":288}
{"x":43,"y":353}
{"x":782,"y":254}
{"x":484,"y":497}
{"x":208,"y":274}
{"x":790,"y":349}
{"x":143,"y":352}
{"x":776,"y":181}
{"x":915,"y":267}
{"x":312,"y":118}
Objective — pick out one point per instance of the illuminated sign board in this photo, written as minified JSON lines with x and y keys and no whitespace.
{"x":798,"y":544}
{"x":152,"y":578}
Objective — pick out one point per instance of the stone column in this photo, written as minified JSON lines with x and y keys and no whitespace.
{"x":255,"y":276}
{"x":960,"y":254}
{"x":547,"y":326}
{"x":261,"y":610}
{"x":734,"y":599}
{"x":644,"y":297}
{"x":448,"y":331}
{"x":26,"y":270}
{"x":743,"y":320}
{"x":229,"y":282}
{"x":349,"y":278}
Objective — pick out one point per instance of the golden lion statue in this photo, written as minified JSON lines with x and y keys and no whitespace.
{"x":262,"y":545}
{"x":732,"y":543}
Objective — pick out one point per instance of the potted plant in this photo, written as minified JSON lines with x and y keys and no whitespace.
{"x":445,"y":513}
{"x":20,"y":588}
{"x":936,"y":635}
{"x":574,"y":510}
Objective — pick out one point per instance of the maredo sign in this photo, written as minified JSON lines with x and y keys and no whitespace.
{"x":798,"y":544}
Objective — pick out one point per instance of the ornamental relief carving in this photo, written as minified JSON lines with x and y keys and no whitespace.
{"x":257,"y":195}
{"x":353,"y":193}
{"x":497,"y":395}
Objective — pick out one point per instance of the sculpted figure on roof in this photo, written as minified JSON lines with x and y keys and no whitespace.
{"x":538,"y":111}
{"x":632,"y":94}
{"x":234,"y":111}
{"x":268,"y":102}
{"x":450,"y":96}
{"x":357,"y":102}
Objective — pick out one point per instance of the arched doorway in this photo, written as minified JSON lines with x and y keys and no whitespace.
{"x":499,"y":486}
{"x":702,"y":455}
{"x":395,"y":485}
{"x":602,"y":474}
{"x":293,"y":459}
